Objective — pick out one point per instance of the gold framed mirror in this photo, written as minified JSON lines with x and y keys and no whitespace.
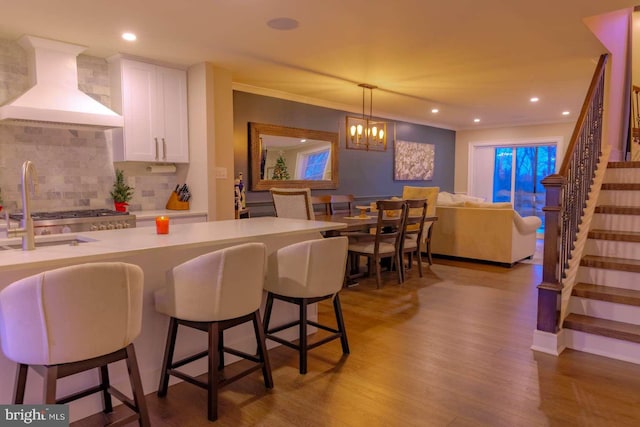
{"x":289,"y":157}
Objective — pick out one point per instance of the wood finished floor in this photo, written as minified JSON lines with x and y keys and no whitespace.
{"x":450,"y":349}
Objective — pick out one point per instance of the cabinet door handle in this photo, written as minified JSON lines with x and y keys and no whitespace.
{"x":156,"y":139}
{"x":164,"y":149}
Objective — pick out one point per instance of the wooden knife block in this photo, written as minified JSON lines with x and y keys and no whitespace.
{"x":176,"y":205}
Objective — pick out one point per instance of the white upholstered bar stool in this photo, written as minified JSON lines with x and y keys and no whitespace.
{"x":214,"y":292}
{"x":305,"y":273}
{"x":72,"y":319}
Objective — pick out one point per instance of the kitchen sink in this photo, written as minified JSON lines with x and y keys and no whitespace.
{"x":43,"y":241}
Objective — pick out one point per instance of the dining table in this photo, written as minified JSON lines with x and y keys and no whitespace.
{"x":357,"y":222}
{"x":362,"y":222}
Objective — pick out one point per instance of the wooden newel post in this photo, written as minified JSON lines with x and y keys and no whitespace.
{"x":551,"y":287}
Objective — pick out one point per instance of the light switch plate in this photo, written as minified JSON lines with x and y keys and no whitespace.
{"x":221,"y":173}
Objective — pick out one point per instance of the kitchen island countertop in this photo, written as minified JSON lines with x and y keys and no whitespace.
{"x":106,"y":244}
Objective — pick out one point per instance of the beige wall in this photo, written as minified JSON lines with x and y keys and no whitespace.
{"x":223,"y":113}
{"x":211,"y":140}
{"x":201,"y":141}
{"x":614,"y":32}
{"x":519,"y":133}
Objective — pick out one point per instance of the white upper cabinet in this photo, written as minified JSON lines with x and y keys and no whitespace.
{"x":153,"y":101}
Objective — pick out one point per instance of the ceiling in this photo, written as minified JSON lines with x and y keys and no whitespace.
{"x":469,"y":58}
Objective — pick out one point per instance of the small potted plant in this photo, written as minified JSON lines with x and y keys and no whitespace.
{"x":121,"y":192}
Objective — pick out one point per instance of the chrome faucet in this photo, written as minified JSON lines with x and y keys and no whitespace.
{"x":29,"y":176}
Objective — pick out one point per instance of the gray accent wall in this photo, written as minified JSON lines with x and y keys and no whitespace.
{"x":365,"y":174}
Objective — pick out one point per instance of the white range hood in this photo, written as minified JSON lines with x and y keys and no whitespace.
{"x":55,"y":100}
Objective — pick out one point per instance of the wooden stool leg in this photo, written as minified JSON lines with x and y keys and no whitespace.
{"x":21,"y":383}
{"x":136,"y":387}
{"x":267,"y":312}
{"x":221,"y":350}
{"x":213,"y":374}
{"x":262,"y":350}
{"x":168,"y":357}
{"x":104,"y":383}
{"x":303,"y":336}
{"x":337,"y":308}
{"x":50,"y":379}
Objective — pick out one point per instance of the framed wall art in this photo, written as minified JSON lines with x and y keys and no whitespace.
{"x":413,"y":161}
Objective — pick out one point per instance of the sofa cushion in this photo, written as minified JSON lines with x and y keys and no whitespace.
{"x":497,"y":205}
{"x":448,"y":199}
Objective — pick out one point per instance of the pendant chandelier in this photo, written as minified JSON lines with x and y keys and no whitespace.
{"x":366,"y":133}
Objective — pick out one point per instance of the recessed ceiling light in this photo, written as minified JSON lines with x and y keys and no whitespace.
{"x":303,"y":140}
{"x":476,"y":120}
{"x":534,"y":99}
{"x":129,"y":37}
{"x":434,"y":110}
{"x":566,"y":113}
{"x":283,"y":24}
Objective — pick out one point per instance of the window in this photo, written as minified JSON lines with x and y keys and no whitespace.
{"x":313,"y":165}
{"x":517,"y":174}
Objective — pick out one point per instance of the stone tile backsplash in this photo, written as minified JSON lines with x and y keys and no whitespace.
{"x":75,"y":167}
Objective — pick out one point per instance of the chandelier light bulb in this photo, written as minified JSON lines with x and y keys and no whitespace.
{"x":365,"y":132}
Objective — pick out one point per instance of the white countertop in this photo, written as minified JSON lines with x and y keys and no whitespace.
{"x":110,"y":244}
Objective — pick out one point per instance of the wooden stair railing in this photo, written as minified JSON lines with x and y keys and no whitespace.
{"x":566,"y":197}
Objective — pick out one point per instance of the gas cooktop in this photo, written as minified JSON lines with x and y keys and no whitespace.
{"x":78,"y":220}
{"x":80,"y":213}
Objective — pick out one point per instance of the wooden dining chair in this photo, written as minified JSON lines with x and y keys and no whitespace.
{"x":386,"y":242}
{"x":321,"y":204}
{"x":292,"y":203}
{"x":413,"y":232}
{"x":431,"y":194}
{"x":342,"y":204}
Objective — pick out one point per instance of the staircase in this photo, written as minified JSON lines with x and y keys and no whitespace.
{"x":604,"y":308}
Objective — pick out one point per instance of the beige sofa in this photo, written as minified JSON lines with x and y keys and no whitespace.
{"x":484,"y":231}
